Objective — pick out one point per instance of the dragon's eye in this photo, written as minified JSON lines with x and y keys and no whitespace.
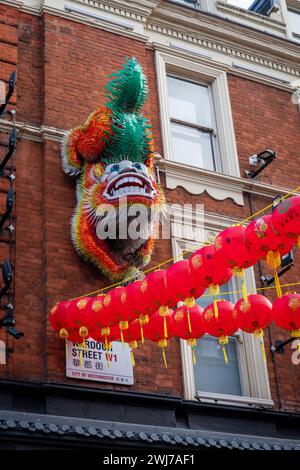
{"x":115,"y":167}
{"x":138,"y":166}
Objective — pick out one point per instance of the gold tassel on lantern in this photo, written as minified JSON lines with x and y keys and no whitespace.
{"x":163,"y":344}
{"x":123,"y":325}
{"x":132,"y":345}
{"x":259,"y":333}
{"x":83,"y":332}
{"x":143,"y":319}
{"x":223,"y":340}
{"x":298,"y":242}
{"x":192,"y":342}
{"x":189,"y":302}
{"x":63,"y":333}
{"x":273,"y":259}
{"x":106,"y":332}
{"x":214,"y":290}
{"x":239,"y":272}
{"x":163,"y":312}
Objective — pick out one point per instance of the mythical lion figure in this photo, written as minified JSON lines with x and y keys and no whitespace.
{"x":112,"y":157}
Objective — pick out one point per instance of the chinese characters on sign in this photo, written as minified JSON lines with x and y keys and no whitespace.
{"x":94,"y":365}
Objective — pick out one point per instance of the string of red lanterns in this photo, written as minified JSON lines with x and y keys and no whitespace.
{"x":143,"y":308}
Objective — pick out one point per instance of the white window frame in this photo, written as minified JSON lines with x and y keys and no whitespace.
{"x":217,"y":79}
{"x":254,"y":373}
{"x":214,"y":142}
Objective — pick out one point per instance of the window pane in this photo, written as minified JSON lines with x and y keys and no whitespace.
{"x":294,"y":19}
{"x":211,"y":372}
{"x":192,"y":147}
{"x":189,"y":102}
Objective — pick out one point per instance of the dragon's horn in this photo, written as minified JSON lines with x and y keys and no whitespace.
{"x":127,"y":90}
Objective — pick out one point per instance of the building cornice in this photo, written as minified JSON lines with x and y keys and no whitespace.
{"x":227,"y":37}
{"x":33,"y":133}
{"x":156,"y":21}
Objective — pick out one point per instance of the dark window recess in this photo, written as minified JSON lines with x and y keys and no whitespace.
{"x":264,"y":7}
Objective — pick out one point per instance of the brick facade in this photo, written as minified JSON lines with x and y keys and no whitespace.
{"x":62,"y":66}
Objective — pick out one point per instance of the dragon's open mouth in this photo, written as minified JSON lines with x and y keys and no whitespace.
{"x":129,"y":184}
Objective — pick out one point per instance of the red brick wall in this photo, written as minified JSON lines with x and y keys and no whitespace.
{"x":62,"y":67}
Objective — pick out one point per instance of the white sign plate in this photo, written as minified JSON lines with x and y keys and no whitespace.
{"x":94,"y":365}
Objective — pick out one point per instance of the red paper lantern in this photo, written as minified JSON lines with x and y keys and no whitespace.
{"x":223,"y":326}
{"x":131,"y":336}
{"x":58,"y":315}
{"x":157,"y":328}
{"x":139,"y":303}
{"x":77,"y":318}
{"x":286,"y":218}
{"x":254,"y":314}
{"x":183,"y":284}
{"x":158,"y":295}
{"x":58,"y":320}
{"x":118,"y":308}
{"x":286,"y":313}
{"x":209,"y":269}
{"x":230,"y":246}
{"x":188,"y":324}
{"x":261,"y":239}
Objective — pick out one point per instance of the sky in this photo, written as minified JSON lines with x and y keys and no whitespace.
{"x":241,"y":3}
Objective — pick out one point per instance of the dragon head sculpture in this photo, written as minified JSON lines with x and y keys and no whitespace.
{"x":112,"y":157}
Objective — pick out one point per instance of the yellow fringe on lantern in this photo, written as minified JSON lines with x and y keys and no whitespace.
{"x":194,"y":356}
{"x":144,"y":319}
{"x":189,"y":320}
{"x":223,"y":340}
{"x":123,"y":325}
{"x":132,"y":358}
{"x":298,"y":242}
{"x":163,"y":312}
{"x":83,"y":332}
{"x":164,"y":357}
{"x":192,"y":342}
{"x":107,"y":359}
{"x":260,"y":335}
{"x":277,"y":284}
{"x":225,"y":355}
{"x":273,"y":259}
{"x":122,"y":339}
{"x":241,"y":273}
{"x":216,"y":311}
{"x":162,"y":343}
{"x":132,"y":345}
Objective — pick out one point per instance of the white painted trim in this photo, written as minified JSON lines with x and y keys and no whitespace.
{"x":90,"y":14}
{"x":235,"y":400}
{"x":197,"y":180}
{"x":254,"y":370}
{"x":225,"y":130}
